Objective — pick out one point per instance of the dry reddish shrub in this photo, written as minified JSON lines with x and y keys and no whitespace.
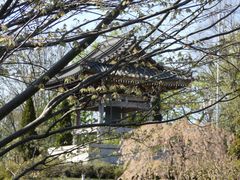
{"x":178,"y":151}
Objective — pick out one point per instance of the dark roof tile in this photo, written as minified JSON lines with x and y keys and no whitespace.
{"x":97,"y":62}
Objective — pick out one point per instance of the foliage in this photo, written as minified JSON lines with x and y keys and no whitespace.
{"x":29,"y":150}
{"x":235,"y":148}
{"x":4,"y":173}
{"x":178,"y":151}
{"x":28,"y":114}
{"x":229,"y":81}
{"x":113,"y":141}
{"x":65,"y":138}
{"x":11,"y":166}
{"x":94,"y":169}
{"x":230,"y":112}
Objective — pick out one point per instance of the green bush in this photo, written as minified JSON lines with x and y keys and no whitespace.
{"x":94,"y":169}
{"x":7,"y":169}
{"x":4,"y":174}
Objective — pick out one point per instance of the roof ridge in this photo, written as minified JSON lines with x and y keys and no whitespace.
{"x":90,"y":54}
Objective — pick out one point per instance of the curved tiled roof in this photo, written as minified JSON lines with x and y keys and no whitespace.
{"x":103,"y":52}
{"x":130,"y":71}
{"x":97,"y":61}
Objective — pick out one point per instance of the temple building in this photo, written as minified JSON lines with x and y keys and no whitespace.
{"x":132,"y":87}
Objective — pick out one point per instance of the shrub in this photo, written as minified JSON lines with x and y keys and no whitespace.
{"x":178,"y":151}
{"x":95,"y":169}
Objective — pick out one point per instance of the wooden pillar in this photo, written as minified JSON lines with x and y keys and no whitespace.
{"x":101,"y":112}
{"x":100,"y":119}
{"x":157,"y":108}
{"x":78,"y":122}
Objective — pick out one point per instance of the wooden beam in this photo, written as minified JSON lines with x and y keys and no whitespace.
{"x":123,"y":97}
{"x":137,"y":105}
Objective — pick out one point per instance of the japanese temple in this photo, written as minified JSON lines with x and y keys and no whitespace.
{"x":129,"y":88}
{"x":136,"y":86}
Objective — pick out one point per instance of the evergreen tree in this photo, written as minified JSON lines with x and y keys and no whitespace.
{"x":229,"y":81}
{"x":230,"y":70}
{"x":30,"y":149}
{"x":66,"y":137}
